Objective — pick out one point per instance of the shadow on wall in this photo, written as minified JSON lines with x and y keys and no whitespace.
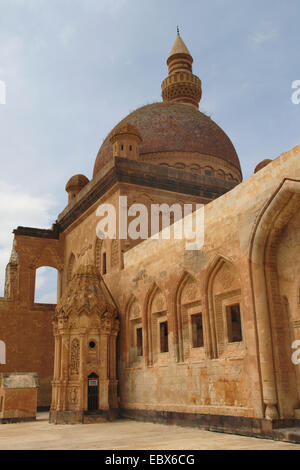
{"x":2,"y":352}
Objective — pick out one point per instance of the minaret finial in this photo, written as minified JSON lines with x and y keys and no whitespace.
{"x":181,"y":86}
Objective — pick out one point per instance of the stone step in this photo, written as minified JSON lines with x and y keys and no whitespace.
{"x":287,"y":435}
{"x":94,"y":418}
{"x":99,"y":416}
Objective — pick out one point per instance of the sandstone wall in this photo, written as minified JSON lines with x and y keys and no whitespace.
{"x":229,"y":383}
{"x":158,"y":281}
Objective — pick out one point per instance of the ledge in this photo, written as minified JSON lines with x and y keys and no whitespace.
{"x":143,"y":174}
{"x":241,"y":425}
{"x":38,"y":232}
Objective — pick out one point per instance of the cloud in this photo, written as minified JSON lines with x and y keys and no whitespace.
{"x":269,"y":33}
{"x":46,"y":285}
{"x":67,"y":34}
{"x":41,"y":278}
{"x":112,"y":8}
{"x":18,"y":207}
{"x":50,"y":298}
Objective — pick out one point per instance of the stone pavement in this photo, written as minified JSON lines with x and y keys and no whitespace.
{"x":124,"y":434}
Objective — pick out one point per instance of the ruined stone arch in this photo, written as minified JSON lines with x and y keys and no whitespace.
{"x":276,"y":375}
{"x":222,"y":287}
{"x":48,"y":257}
{"x":155,"y":309}
{"x":188,"y":297}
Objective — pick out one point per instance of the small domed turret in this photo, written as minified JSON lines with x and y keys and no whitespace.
{"x":75,"y":185}
{"x":126,"y":140}
{"x":262,"y":164}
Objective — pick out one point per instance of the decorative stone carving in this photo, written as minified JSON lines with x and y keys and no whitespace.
{"x":135,"y":311}
{"x":98,"y":246}
{"x":226,"y":278}
{"x":84,"y":250}
{"x":73,"y":395}
{"x":75,"y":349}
{"x":71,"y":266}
{"x":114,"y":253}
{"x":159,"y":303}
{"x":190,"y":292}
{"x":87,"y":309}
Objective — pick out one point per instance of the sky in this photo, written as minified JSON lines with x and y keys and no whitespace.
{"x":73,"y":69}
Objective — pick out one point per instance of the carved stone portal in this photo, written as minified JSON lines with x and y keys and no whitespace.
{"x":85,"y":330}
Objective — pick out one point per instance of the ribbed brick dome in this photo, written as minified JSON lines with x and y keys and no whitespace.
{"x":174,"y":127}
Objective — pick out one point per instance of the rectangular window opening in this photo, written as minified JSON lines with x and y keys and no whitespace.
{"x":164,"y":346}
{"x":197,"y":331}
{"x":234,"y":324}
{"x":139,"y":342}
{"x":104,"y":268}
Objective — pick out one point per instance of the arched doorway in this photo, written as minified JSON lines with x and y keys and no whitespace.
{"x":93,"y":390}
{"x":273,"y":254}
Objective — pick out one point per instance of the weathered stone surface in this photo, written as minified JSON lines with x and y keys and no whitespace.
{"x":175,"y":127}
{"x":18,"y":396}
{"x":205,"y":336}
{"x":85,"y":328}
{"x":19,"y":380}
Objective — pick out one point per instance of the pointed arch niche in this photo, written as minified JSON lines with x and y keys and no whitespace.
{"x":225,"y":308}
{"x":157,"y":327}
{"x":189,"y":320}
{"x":134,"y":334}
{"x":103,"y":256}
{"x":273,"y":266}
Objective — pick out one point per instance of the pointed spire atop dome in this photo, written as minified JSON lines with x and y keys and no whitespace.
{"x":179,"y":47}
{"x":181,"y":86}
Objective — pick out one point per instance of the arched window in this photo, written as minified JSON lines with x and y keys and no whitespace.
{"x":102,"y":256}
{"x":157,"y":321}
{"x":189,"y":322}
{"x":224,"y":290}
{"x":208,"y":171}
{"x":134,"y":333}
{"x":2,"y":352}
{"x":46,"y":279}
